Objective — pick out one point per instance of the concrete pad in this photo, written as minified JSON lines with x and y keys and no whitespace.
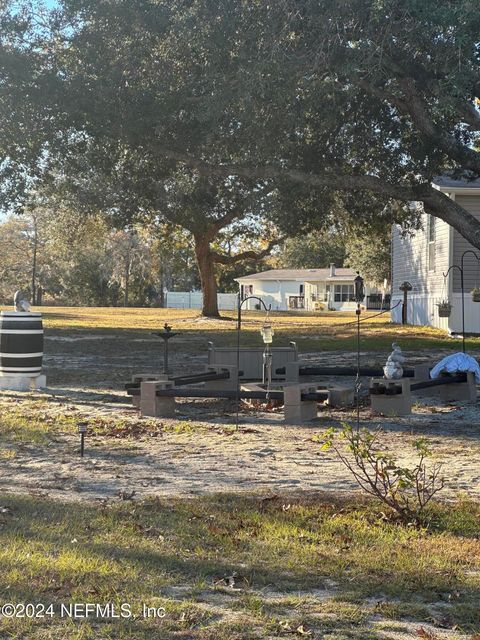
{"x":23,"y":383}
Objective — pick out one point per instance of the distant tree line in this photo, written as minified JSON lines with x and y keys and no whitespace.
{"x":61,"y":258}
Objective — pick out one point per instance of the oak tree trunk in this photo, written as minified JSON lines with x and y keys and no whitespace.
{"x":206,"y":268}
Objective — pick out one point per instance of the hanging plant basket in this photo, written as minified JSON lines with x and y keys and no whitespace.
{"x":444,"y":309}
{"x":475,"y":295}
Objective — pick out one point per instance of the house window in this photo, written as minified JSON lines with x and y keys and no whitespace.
{"x":246,"y":290}
{"x":296,"y":302}
{"x":301,"y":290}
{"x":431,"y":242}
{"x":343,"y":292}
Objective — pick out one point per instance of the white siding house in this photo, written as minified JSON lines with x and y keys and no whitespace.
{"x":424,"y":257}
{"x":308,"y":289}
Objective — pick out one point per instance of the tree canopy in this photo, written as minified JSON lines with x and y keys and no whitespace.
{"x":369,"y":99}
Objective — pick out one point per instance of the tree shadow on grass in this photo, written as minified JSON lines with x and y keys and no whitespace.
{"x":68,"y":547}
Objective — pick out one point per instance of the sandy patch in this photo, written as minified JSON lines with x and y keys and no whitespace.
{"x":199,"y":452}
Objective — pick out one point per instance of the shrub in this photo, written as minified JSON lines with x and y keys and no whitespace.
{"x":405,"y":490}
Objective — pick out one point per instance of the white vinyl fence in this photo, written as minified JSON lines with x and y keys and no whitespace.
{"x":193,"y":300}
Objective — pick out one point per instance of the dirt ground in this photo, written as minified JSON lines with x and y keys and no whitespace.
{"x":199,"y":452}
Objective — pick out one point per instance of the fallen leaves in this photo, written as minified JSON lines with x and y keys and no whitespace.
{"x":126,"y":495}
{"x":286,"y":627}
{"x":234,"y":581}
{"x":426,"y":634}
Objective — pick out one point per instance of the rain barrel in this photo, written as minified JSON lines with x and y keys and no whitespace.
{"x":21,"y":344}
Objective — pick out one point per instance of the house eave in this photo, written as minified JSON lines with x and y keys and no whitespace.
{"x":464,"y":191}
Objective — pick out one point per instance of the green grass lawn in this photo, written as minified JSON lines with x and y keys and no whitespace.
{"x":225,"y":567}
{"x":311,"y":331}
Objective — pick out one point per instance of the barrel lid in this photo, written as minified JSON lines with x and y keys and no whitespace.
{"x":16,"y":314}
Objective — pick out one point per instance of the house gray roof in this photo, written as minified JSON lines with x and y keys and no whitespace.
{"x":446,"y":182}
{"x":341,"y":273}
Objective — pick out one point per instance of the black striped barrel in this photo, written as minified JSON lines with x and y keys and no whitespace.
{"x":21,"y":344}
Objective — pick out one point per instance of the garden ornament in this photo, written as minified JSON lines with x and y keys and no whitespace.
{"x":393,"y":369}
{"x":20,"y":301}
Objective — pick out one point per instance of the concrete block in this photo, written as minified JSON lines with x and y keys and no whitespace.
{"x":227,"y":384}
{"x":421,"y":373}
{"x":340,"y":396}
{"x":296,"y":410}
{"x":138,"y":378}
{"x":384,"y":404}
{"x":460,"y":391}
{"x":156,"y":406}
{"x":292,"y":371}
{"x":22,"y":383}
{"x":144,"y":377}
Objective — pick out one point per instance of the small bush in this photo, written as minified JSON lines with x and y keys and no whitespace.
{"x":406,"y":491}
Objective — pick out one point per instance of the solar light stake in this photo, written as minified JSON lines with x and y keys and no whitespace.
{"x":82,"y":430}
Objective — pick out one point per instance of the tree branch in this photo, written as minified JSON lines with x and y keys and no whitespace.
{"x":245,"y":255}
{"x":418,"y":110}
{"x":414,"y":105}
{"x":436,"y":203}
{"x":337,"y":181}
{"x":222,"y":222}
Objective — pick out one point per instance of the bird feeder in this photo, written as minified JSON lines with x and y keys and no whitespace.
{"x":166,"y":335}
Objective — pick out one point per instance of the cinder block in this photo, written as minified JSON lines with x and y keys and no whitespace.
{"x":227,"y":384}
{"x":292,"y":371}
{"x":340,"y":396}
{"x":296,"y":410}
{"x":384,"y":404}
{"x":421,"y":373}
{"x":144,"y":377}
{"x":156,"y":406}
{"x":460,"y":391}
{"x":138,"y":378}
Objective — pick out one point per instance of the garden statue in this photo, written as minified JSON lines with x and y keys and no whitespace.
{"x":20,"y":301}
{"x":393,"y":369}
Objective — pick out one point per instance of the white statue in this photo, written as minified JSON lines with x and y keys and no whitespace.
{"x":20,"y":301}
{"x":393,"y":369}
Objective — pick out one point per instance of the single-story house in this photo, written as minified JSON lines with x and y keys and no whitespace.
{"x":422,"y":258}
{"x":308,"y":289}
